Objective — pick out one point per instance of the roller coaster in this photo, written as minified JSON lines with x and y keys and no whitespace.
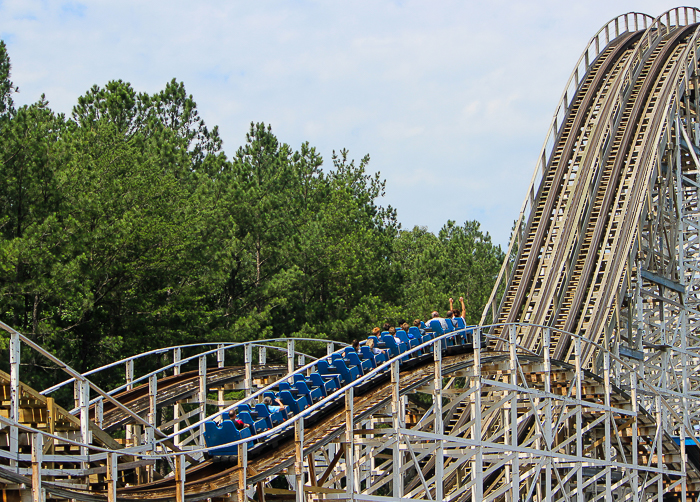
{"x":579,"y":383}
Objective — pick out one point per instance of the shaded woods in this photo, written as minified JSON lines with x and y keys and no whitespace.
{"x":125,"y":227}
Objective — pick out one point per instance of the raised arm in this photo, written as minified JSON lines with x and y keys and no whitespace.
{"x":464,"y":309}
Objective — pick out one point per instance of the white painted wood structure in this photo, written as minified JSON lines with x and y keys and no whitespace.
{"x":580,"y":383}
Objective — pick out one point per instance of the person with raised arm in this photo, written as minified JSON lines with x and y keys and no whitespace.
{"x":272,"y":408}
{"x":464,"y":308}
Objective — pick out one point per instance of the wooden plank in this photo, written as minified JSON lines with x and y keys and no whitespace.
{"x":321,"y":489}
{"x":667,"y":283}
{"x":120,"y":467}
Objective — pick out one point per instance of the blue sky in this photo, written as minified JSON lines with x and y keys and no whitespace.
{"x":451,"y":99}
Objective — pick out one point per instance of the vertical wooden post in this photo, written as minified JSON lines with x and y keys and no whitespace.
{"x":99,"y":412}
{"x":608,"y":420}
{"x":513,"y":361}
{"x":129,"y":374}
{"x":478,"y":465}
{"x":683,"y":320}
{"x":438,"y":424}
{"x":85,"y":434}
{"x":37,"y":454}
{"x":131,"y":433}
{"x":659,"y":448}
{"x":150,"y":430}
{"x":290,"y":355}
{"x":179,"y":478}
{"x":248,"y":361}
{"x":579,"y":418}
{"x":50,"y":427}
{"x":635,"y":438}
{"x":112,"y":477}
{"x":202,"y":396}
{"x":137,"y":439}
{"x":350,"y":440}
{"x":396,"y":422}
{"x":686,"y":392}
{"x":549,"y":440}
{"x":14,"y":393}
{"x":242,"y":472}
{"x":640,"y":315}
{"x":177,"y":357}
{"x":220,"y":356}
{"x":299,"y":458}
{"x":152,"y":394}
{"x":220,"y":363}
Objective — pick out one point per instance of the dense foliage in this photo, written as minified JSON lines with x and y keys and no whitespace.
{"x":125,"y":227}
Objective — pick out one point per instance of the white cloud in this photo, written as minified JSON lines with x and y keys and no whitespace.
{"x":448,"y":97}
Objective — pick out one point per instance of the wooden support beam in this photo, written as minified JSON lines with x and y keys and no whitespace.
{"x":112,"y":477}
{"x":290,"y":355}
{"x":331,"y":466}
{"x":312,"y":469}
{"x":242,"y":471}
{"x":180,"y":478}
{"x":38,"y":494}
{"x":299,"y":459}
{"x":350,"y":442}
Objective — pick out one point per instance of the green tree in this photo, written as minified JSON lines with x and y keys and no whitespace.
{"x":7,"y":88}
{"x":459,"y":261}
{"x":126,"y":228}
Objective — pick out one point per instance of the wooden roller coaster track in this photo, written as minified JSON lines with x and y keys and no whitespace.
{"x":580,"y":383}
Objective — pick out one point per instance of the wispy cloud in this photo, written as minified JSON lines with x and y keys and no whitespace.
{"x":74,"y":9}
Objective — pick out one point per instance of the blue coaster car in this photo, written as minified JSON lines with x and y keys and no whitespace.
{"x":376,"y":359}
{"x":271,"y":417}
{"x":273,"y":398}
{"x":221,"y":434}
{"x":395,"y":348}
{"x":327,"y":370}
{"x":378,"y":344}
{"x":242,"y":407}
{"x":365,"y":365}
{"x":295,"y":405}
{"x":327,"y":383}
{"x":468,"y":333}
{"x":257,"y":425}
{"x":437,"y":329}
{"x":311,"y":395}
{"x":348,"y":374}
{"x":410,"y":342}
{"x":413,"y":330}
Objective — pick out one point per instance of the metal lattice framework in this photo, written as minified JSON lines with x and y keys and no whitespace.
{"x":456,"y":425}
{"x":580,"y":384}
